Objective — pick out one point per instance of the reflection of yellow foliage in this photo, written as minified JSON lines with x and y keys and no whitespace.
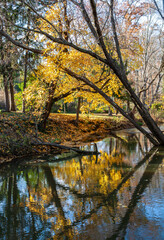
{"x":115,"y":177}
{"x":91,"y":175}
{"x":87,"y":177}
{"x":32,"y":204}
{"x":36,"y":203}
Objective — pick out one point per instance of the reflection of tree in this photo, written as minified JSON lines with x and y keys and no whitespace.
{"x":73,"y":196}
{"x":140,"y":188}
{"x":10,"y":194}
{"x":108,"y":200}
{"x":84,"y":173}
{"x":16,"y":219}
{"x":62,"y":221}
{"x":129,"y":144}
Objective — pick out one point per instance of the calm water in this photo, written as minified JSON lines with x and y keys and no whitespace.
{"x":117,"y":195}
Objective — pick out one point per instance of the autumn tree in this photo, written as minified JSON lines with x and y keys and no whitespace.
{"x":97,"y":22}
{"x":57,"y":85}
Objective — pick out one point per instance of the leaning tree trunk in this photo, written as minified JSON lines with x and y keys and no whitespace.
{"x":149,"y":121}
{"x":48,"y":105}
{"x":109,"y":99}
{"x":119,"y":70}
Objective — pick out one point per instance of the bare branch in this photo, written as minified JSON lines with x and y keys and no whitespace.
{"x":115,"y":35}
{"x":156,"y":91}
{"x":88,"y":21}
{"x":108,"y":99}
{"x":30,"y":7}
{"x":64,"y":147}
{"x":145,"y":89}
{"x":159,"y":11}
{"x":16,"y":43}
{"x":99,"y":32}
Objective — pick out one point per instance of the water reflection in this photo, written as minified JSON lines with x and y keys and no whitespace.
{"x":115,"y":195}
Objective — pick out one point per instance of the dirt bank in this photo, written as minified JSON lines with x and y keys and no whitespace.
{"x":19,"y":133}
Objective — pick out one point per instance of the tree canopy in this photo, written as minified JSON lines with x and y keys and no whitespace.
{"x":92,"y":48}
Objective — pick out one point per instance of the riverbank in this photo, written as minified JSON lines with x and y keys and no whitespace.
{"x":20,"y":136}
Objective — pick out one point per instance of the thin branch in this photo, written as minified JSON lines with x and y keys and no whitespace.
{"x":18,"y":44}
{"x":107,"y":98}
{"x":159,"y":11}
{"x":145,"y":89}
{"x":30,"y":7}
{"x":64,"y":147}
{"x":57,"y":40}
{"x":156,"y":91}
{"x":98,"y":29}
{"x":115,"y":35}
{"x":88,"y":21}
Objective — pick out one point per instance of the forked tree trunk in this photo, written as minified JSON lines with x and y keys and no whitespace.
{"x":45,"y":114}
{"x":49,"y":104}
{"x":47,"y":109}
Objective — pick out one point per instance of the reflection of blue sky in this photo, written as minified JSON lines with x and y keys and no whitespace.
{"x":143,"y":232}
{"x":103,"y":145}
{"x":153,"y":199}
{"x":154,"y":208}
{"x":147,"y":220}
{"x":2,"y":206}
{"x":22,"y":185}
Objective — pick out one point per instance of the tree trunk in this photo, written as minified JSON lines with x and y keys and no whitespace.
{"x":25,"y":82}
{"x":45,"y":114}
{"x":5,"y":80}
{"x":149,"y":121}
{"x":6,"y":93}
{"x":26,"y":63}
{"x":78,"y":110}
{"x":47,"y":109}
{"x":12,"y":100}
{"x":109,"y":112}
{"x":128,"y":106}
{"x":49,"y":104}
{"x":145,"y":113}
{"x":144,"y":97}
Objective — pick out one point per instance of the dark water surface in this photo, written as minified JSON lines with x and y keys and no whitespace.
{"x":117,"y":195}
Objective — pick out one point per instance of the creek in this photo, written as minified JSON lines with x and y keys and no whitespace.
{"x":118,"y":194}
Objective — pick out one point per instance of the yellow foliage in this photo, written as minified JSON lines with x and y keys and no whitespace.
{"x":51,"y":69}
